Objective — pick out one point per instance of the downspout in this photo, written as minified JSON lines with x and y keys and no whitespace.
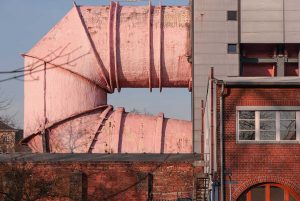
{"x":230,"y":189}
{"x":202,"y":129}
{"x":212,"y":120}
{"x":222,"y":193}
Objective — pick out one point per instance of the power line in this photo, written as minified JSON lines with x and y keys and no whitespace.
{"x":140,"y":180}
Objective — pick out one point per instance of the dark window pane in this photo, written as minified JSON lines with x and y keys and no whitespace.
{"x":276,"y":194}
{"x":246,"y":114}
{"x":287,"y":115}
{"x":247,"y":135}
{"x":247,"y":125}
{"x":288,"y":125}
{"x":268,"y":125}
{"x":267,"y":115}
{"x":243,"y":197}
{"x":259,"y":193}
{"x":267,"y":135}
{"x":232,"y":15}
{"x":232,"y":48}
{"x":287,"y":135}
{"x":287,"y":130}
{"x":292,"y":198}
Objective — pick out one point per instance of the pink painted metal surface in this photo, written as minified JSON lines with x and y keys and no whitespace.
{"x":119,"y":132}
{"x":92,"y":51}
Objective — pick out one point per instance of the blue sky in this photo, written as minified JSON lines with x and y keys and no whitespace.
{"x":23,"y":23}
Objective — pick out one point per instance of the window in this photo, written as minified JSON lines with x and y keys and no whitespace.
{"x":232,"y":48}
{"x":268,"y":125}
{"x":287,"y":125}
{"x":247,"y":125}
{"x":232,"y":15}
{"x":268,"y":192}
{"x":5,"y":139}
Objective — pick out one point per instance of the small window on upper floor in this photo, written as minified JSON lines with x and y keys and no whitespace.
{"x":232,"y":49}
{"x":5,"y":139}
{"x":232,"y":15}
{"x":268,"y":125}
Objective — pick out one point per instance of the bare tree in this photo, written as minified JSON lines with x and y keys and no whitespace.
{"x":5,"y":104}
{"x":76,"y":137}
{"x":137,"y":111}
{"x":21,"y":182}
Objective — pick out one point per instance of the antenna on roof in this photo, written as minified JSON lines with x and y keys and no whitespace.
{"x":74,"y":3}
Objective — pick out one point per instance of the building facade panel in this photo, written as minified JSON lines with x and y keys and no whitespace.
{"x":291,"y":5}
{"x":265,"y":5}
{"x":261,"y":16}
{"x":292,"y":20}
{"x":262,"y":21}
{"x":212,"y":34}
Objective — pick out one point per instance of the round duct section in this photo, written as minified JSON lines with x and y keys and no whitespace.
{"x":94,"y":50}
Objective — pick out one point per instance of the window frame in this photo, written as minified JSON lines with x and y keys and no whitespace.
{"x":232,"y":15}
{"x":236,"y":48}
{"x":287,"y":192}
{"x":276,"y":109}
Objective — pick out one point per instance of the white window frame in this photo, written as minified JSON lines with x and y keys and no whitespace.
{"x":276,"y":109}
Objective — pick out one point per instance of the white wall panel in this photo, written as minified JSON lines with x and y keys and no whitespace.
{"x":292,"y":21}
{"x":261,"y":16}
{"x":266,"y":5}
{"x":262,"y":21}
{"x":212,"y":33}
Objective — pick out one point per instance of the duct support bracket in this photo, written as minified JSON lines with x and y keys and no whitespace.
{"x":160,"y":46}
{"x":116,"y":46}
{"x":150,"y":45}
{"x":109,"y":42}
{"x":103,"y":118}
{"x":159,"y":134}
{"x":118,"y":132}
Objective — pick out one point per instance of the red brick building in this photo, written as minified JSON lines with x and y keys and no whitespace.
{"x":82,"y":177}
{"x":252,"y":133}
{"x":10,"y":138}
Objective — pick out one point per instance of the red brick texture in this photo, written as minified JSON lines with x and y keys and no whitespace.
{"x":120,"y":181}
{"x":253,"y":164}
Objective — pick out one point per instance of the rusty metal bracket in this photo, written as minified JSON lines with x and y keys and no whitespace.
{"x":109,"y":42}
{"x":191,"y":84}
{"x":150,"y":45}
{"x":160,"y":46}
{"x":159,"y":135}
{"x":116,"y":46}
{"x":103,"y":118}
{"x":45,"y":137}
{"x":118,"y":118}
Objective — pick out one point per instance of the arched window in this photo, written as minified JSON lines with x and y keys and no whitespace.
{"x":269,"y":192}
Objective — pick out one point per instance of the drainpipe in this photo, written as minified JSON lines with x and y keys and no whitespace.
{"x":202,"y":128}
{"x":222,"y":194}
{"x":212,"y":120}
{"x":230,"y":189}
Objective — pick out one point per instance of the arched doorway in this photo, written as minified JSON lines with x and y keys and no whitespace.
{"x":269,"y":192}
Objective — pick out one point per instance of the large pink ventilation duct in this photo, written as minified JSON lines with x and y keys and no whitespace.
{"x":92,"y":51}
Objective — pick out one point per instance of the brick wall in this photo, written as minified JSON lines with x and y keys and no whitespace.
{"x":108,"y":180}
{"x":252,"y":164}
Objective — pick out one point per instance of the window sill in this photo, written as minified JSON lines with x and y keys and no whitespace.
{"x":267,"y":142}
